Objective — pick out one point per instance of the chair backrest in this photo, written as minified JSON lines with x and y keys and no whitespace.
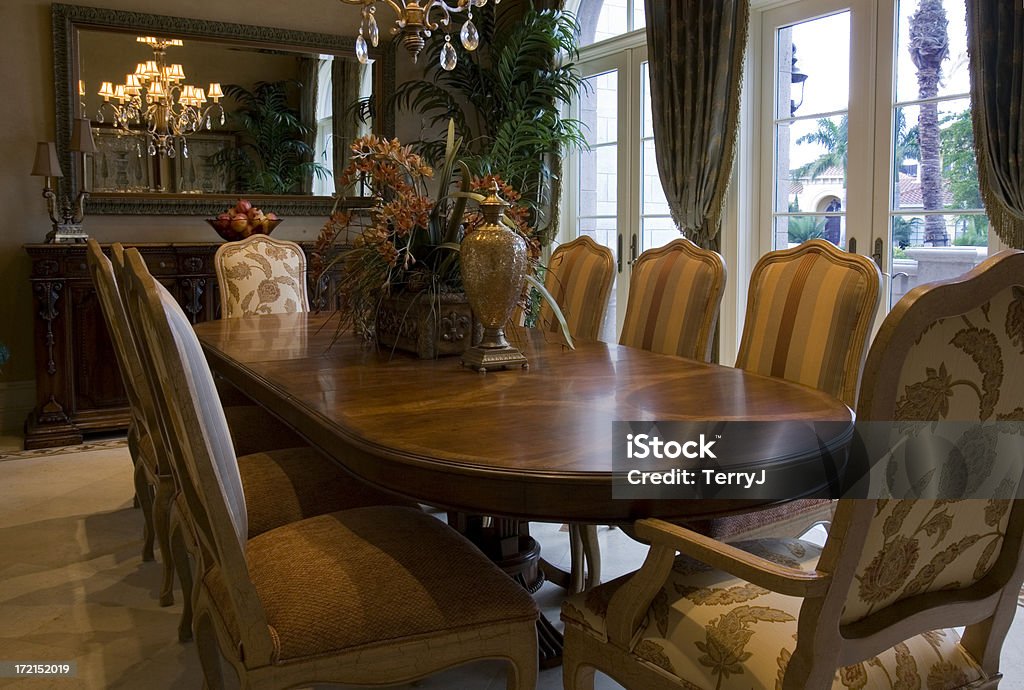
{"x":196,"y":430}
{"x":140,"y":400}
{"x":809,"y":316}
{"x":949,"y":351}
{"x":674,"y":295}
{"x":579,"y":278}
{"x":260,"y":275}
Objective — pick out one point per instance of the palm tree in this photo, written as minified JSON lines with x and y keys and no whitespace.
{"x":833,"y":137}
{"x":929,"y":47}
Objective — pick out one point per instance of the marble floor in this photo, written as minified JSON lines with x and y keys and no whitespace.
{"x":73,"y":587}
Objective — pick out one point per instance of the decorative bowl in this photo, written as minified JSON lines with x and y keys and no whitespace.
{"x":224,"y":229}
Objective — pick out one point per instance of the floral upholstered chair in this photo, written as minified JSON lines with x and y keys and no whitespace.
{"x":876,"y":606}
{"x":260,"y":275}
{"x":579,"y":277}
{"x":372,"y":595}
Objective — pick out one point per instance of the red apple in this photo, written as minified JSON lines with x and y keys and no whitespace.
{"x":239,"y":223}
{"x":271,"y":216}
{"x":243,"y":206}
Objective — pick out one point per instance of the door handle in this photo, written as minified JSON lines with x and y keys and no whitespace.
{"x":618,"y":253}
{"x":877,"y":254}
{"x":632,"y":250}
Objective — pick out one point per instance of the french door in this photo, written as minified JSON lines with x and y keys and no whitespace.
{"x":615,"y":195}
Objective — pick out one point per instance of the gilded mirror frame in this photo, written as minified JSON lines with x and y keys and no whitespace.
{"x":69,"y":19}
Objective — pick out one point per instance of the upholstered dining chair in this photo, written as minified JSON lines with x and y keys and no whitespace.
{"x":284,"y":482}
{"x":876,"y":607}
{"x":368,"y":596}
{"x":261,"y":275}
{"x":579,"y":278}
{"x":674,"y":295}
{"x":809,"y":315}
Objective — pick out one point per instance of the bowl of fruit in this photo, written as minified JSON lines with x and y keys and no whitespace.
{"x":242,"y":220}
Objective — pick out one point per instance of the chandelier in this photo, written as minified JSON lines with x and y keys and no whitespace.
{"x":415,"y":25}
{"x":156,"y":97}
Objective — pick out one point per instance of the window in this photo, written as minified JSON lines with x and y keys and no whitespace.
{"x":613,"y":191}
{"x":870,"y":140}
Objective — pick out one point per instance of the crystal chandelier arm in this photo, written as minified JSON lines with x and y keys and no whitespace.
{"x":446,"y":9}
{"x":398,"y":9}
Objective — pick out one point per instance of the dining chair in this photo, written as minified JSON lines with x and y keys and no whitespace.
{"x":579,"y":278}
{"x":284,"y":482}
{"x":260,"y":275}
{"x":876,"y":606}
{"x":367,"y":596}
{"x":674,"y":295}
{"x":809,"y":315}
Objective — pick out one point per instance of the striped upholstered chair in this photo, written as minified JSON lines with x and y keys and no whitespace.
{"x":579,"y":277}
{"x":674,"y":295}
{"x":673,"y":300}
{"x":809,"y":316}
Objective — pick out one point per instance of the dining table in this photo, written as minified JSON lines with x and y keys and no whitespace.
{"x":527,"y":444}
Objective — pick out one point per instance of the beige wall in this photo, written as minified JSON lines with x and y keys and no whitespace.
{"x":27,"y":116}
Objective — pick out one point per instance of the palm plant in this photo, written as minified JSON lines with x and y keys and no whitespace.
{"x":929,"y":47}
{"x":803,"y":228}
{"x":272,"y":156}
{"x":505,"y":101}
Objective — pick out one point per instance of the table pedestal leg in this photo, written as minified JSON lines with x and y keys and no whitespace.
{"x":508,"y":543}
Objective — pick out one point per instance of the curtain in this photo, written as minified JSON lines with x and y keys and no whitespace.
{"x":345,"y":76}
{"x":995,"y":41}
{"x":307,"y":112}
{"x":695,"y":49}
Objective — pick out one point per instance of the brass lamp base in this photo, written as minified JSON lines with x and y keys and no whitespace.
{"x":484,"y":359}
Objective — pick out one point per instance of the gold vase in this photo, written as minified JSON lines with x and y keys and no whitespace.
{"x":493,"y":262}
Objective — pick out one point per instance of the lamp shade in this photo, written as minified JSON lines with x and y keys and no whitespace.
{"x":81,"y":136}
{"x":46,"y":164}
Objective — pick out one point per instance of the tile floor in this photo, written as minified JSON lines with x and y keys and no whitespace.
{"x":73,"y":587}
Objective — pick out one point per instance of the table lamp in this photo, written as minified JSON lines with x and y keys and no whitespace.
{"x":65,"y":215}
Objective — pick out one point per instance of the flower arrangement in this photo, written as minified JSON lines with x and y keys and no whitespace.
{"x":408,"y":241}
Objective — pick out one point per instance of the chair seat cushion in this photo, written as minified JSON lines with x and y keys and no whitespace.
{"x":713,"y":630}
{"x":290,"y":484}
{"x":374,"y":575}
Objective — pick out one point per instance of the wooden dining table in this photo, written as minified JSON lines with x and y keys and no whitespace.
{"x":527,"y":444}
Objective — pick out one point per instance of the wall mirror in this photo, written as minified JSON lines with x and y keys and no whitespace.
{"x":189,"y":115}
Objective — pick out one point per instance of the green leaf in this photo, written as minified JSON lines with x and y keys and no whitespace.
{"x":556,"y":310}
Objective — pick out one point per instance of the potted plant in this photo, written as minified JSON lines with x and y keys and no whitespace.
{"x":272,"y":156}
{"x":400,"y":282}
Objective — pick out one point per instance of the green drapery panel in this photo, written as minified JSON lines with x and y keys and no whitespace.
{"x":995,"y":40}
{"x":695,"y":49}
{"x":345,"y":76}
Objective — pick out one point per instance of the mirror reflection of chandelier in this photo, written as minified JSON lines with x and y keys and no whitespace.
{"x":415,"y":25}
{"x":156,"y":97}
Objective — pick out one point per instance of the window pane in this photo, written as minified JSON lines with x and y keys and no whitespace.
{"x":811,"y":173}
{"x":814,"y":66}
{"x":599,"y":102}
{"x":598,"y":185}
{"x":938,"y":171}
{"x":612,"y":20}
{"x":914,"y":262}
{"x":932,"y":34}
{"x":657,"y":231}
{"x":653,"y":200}
{"x":793,"y":230}
{"x":639,"y":16}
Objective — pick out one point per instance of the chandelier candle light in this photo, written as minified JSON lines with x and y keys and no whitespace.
{"x":156,"y":97}
{"x":415,"y":25}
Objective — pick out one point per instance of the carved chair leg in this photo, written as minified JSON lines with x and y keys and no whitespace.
{"x":144,"y":495}
{"x":209,"y":652}
{"x":183,"y":566}
{"x":591,"y":554}
{"x":577,"y":676}
{"x":576,"y":555}
{"x":161,"y":521}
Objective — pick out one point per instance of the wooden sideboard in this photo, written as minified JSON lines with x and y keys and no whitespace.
{"x":78,"y":385}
